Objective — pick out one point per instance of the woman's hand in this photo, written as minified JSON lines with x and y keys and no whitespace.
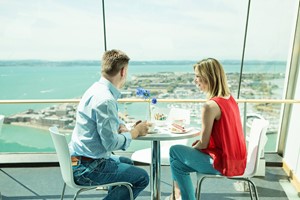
{"x":197,"y":145}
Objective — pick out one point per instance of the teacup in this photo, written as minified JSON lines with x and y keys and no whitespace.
{"x":151,"y":127}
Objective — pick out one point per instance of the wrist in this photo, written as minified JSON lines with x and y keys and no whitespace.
{"x":134,"y":133}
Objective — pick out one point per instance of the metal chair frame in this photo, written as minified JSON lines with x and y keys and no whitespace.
{"x":257,"y":133}
{"x":64,"y":158}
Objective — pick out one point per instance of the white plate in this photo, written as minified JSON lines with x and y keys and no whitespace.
{"x":180,"y":132}
{"x":160,"y":122}
{"x":155,"y":130}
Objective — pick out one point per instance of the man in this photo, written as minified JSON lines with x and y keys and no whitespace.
{"x":99,"y":131}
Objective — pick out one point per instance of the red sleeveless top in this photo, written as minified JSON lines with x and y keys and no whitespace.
{"x":227,"y":144}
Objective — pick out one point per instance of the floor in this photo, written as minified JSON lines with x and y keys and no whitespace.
{"x":46,"y":183}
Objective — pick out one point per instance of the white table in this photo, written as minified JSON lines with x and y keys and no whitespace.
{"x":163,"y":134}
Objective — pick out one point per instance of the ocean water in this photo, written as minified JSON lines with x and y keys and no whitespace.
{"x":63,"y":80}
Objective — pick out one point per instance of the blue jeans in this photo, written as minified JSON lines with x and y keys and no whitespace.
{"x":114,"y":169}
{"x":183,"y":161}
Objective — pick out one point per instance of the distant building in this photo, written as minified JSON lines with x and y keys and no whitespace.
{"x":159,"y":84}
{"x":126,"y":94}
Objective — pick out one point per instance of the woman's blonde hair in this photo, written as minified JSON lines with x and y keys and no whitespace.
{"x":212,"y":73}
{"x":113,"y":61}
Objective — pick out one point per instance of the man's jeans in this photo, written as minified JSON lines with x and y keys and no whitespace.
{"x":114,"y":169}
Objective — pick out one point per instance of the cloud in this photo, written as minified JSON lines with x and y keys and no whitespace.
{"x":146,"y":30}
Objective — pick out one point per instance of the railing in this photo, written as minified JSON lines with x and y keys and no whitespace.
{"x":131,"y":100}
{"x":125,"y":100}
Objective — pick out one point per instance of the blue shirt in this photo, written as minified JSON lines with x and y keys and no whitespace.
{"x":97,"y":123}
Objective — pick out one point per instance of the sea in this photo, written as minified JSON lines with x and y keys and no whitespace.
{"x":39,"y":79}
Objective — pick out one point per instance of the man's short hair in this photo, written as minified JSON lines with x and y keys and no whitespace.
{"x":113,"y":61}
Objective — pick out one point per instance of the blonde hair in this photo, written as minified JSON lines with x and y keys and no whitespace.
{"x":212,"y":73}
{"x":113,"y":61}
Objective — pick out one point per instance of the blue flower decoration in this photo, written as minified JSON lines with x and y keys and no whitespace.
{"x":154,"y":101}
{"x":141,"y":92}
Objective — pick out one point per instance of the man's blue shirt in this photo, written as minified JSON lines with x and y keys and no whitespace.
{"x":96,"y":133}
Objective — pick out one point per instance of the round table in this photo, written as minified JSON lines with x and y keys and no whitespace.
{"x":162,"y":134}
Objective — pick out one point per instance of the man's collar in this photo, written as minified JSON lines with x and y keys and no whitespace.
{"x":115,"y":92}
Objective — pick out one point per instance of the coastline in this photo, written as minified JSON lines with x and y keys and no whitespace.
{"x":179,"y":86}
{"x":45,"y":128}
{"x":260,"y":80}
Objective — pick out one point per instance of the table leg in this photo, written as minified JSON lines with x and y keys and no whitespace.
{"x":155,"y":171}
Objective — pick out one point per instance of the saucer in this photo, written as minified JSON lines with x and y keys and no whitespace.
{"x":155,"y":130}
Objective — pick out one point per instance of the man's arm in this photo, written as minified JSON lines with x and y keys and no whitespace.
{"x":108,"y":127}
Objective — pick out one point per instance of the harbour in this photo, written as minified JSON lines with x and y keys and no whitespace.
{"x":26,"y":125}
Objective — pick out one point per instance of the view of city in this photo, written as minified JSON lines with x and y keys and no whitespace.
{"x":165,"y":85}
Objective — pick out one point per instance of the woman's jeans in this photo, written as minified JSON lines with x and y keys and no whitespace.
{"x":183,"y":161}
{"x":114,"y":169}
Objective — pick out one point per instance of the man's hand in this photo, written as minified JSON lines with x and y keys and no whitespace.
{"x":136,"y":123}
{"x":123,"y":128}
{"x":140,"y":129}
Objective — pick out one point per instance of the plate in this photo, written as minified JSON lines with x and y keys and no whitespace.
{"x":180,"y":132}
{"x":160,"y":122}
{"x":155,"y":130}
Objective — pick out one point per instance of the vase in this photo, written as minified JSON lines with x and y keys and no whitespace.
{"x":151,"y":109}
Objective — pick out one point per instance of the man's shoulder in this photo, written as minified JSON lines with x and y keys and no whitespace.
{"x":95,"y":96}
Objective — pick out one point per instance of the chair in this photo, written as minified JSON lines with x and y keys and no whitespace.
{"x":261,"y":171}
{"x":64,"y":158}
{"x":257,"y":132}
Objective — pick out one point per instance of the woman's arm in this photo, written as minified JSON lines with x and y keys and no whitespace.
{"x":210,"y":113}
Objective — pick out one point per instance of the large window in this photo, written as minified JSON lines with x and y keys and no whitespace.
{"x":171,"y":36}
{"x":52,"y":50}
{"x":266,"y":57}
{"x":48,"y":50}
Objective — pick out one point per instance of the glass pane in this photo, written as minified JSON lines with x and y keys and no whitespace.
{"x":266,"y":56}
{"x":48,"y":50}
{"x":50,"y":30}
{"x":164,"y":40}
{"x":51,"y":50}
{"x":176,"y":30}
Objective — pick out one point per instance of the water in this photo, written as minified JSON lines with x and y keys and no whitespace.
{"x":64,"y":80}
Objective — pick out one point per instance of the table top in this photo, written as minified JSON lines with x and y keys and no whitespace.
{"x":163,"y":133}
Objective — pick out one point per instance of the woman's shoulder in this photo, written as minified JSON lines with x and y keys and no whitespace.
{"x":210,"y":105}
{"x":211,"y":108}
{"x":228,"y":97}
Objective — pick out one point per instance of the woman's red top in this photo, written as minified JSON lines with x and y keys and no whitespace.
{"x":227,"y":144}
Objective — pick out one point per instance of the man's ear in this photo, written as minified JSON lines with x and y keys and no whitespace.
{"x":122,"y":71}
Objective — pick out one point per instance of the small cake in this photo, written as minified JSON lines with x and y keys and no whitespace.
{"x":177,"y":128}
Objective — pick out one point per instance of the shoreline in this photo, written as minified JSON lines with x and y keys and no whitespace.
{"x":45,"y":128}
{"x":176,"y":85}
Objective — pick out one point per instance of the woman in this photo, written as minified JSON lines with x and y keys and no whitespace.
{"x":221,"y":148}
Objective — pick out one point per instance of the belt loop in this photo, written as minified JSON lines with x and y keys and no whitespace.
{"x":74,"y":160}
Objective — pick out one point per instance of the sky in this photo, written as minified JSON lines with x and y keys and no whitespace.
{"x":146,"y":30}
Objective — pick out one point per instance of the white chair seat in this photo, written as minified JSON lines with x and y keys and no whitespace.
{"x":144,"y":155}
